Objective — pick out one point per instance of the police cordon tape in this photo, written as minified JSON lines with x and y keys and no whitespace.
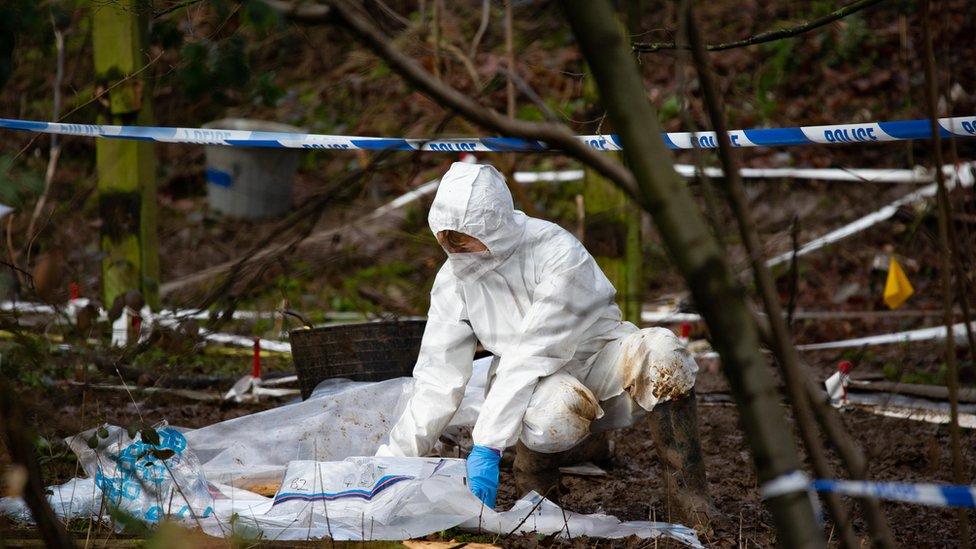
{"x":923,"y":493}
{"x":936,"y":495}
{"x":867,"y":132}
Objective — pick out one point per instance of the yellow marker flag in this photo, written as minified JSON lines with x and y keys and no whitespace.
{"x":897,"y":288}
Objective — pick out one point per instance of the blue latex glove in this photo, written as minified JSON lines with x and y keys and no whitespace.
{"x":483,"y":473}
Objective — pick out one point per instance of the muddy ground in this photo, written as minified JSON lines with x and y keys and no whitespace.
{"x":897,"y":449}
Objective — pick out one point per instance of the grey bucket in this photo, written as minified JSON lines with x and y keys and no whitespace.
{"x":250,"y":182}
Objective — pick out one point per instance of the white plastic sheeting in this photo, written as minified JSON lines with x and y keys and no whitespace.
{"x":303,"y":454}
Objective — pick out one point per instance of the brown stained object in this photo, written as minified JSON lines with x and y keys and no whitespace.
{"x":48,"y":275}
{"x":674,"y":429}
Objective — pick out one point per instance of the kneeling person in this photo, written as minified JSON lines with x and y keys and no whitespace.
{"x":566,"y":367}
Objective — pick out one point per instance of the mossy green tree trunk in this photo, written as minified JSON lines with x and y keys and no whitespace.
{"x":126,"y":169}
{"x":612,"y":233}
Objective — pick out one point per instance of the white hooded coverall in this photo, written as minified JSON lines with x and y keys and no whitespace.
{"x":539,"y":303}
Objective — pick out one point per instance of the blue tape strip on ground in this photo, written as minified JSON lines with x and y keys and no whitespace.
{"x":865,"y":132}
{"x":936,"y":495}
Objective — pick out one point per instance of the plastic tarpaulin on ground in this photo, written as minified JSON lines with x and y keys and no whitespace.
{"x":304,"y":454}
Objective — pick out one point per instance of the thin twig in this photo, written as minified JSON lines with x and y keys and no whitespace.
{"x":794,"y":272}
{"x":530,"y":93}
{"x":783,"y":347}
{"x":12,"y":255}
{"x":436,"y":16}
{"x":945,"y":269}
{"x":768,"y":36}
{"x":17,"y":270}
{"x":510,"y":60}
{"x":482,"y":27}
{"x":175,"y":7}
{"x":555,"y":135}
{"x":55,"y":150}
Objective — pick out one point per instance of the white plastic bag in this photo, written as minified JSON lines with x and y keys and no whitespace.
{"x":146,"y":479}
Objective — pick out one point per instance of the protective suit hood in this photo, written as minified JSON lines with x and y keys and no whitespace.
{"x":473,"y":199}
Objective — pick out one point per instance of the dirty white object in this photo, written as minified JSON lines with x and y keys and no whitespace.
{"x":613,"y":389}
{"x":76,"y":498}
{"x":120,"y":329}
{"x":349,"y":421}
{"x":536,"y":514}
{"x":249,"y":389}
{"x":908,"y":407}
{"x":921,"y":334}
{"x":271,"y":451}
{"x":583,"y":470}
{"x":535,"y":298}
{"x":836,"y":386}
{"x":369,"y":498}
{"x":668,"y":317}
{"x":4,"y":210}
{"x":955,"y":175}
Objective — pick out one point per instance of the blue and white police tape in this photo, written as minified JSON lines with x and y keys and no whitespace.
{"x":938,"y":495}
{"x":869,"y":132}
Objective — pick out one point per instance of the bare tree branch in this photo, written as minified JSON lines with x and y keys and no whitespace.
{"x":554,"y":135}
{"x":482,"y":27}
{"x":763,"y":37}
{"x":55,"y":150}
{"x":701,"y":261}
{"x":947,"y":249}
{"x":798,"y":381}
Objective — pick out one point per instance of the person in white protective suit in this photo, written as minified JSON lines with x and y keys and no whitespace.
{"x":566,"y":366}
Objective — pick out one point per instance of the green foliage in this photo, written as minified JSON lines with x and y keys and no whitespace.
{"x":261,"y":17}
{"x":670,"y":108}
{"x":166,"y":34}
{"x":28,"y":361}
{"x":781,"y":62}
{"x":530,"y":113}
{"x":128,"y":522}
{"x":266,"y":91}
{"x":392,"y":277}
{"x":213,"y":68}
{"x":231,"y":68}
{"x":18,"y":187}
{"x":19,"y":19}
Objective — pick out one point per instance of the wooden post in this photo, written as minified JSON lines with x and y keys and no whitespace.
{"x":126,"y":169}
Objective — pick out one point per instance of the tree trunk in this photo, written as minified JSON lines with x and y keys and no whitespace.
{"x":719,"y":297}
{"x":612,"y":221}
{"x":126,"y":169}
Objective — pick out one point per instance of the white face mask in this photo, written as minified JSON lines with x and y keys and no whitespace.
{"x":471,"y":265}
